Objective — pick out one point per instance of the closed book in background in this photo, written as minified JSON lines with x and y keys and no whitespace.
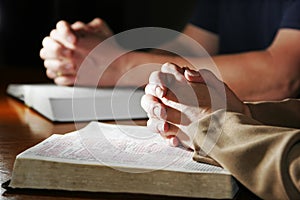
{"x":66,"y":104}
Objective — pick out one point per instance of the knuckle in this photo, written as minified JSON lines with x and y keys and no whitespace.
{"x":155,"y":77}
{"x":153,"y":125}
{"x":46,"y":63}
{"x":78,"y":25}
{"x":99,"y":21}
{"x":61,"y":23}
{"x":53,"y":33}
{"x":144,"y":101}
{"x":168,"y":65}
{"x":45,"y":41}
{"x":50,"y":74}
{"x":149,"y":89}
{"x":42,"y":53}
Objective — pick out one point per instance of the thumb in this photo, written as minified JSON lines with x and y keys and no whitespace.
{"x":193,"y":76}
{"x":66,"y":34}
{"x":203,"y":76}
{"x":99,"y":25}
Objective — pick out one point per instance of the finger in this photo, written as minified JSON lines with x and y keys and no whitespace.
{"x":96,"y":24}
{"x":65,"y":80}
{"x":156,"y":109}
{"x":61,"y":66}
{"x":176,"y":113}
{"x":80,"y":29}
{"x":158,"y":83}
{"x":193,"y":76}
{"x":51,"y":74}
{"x":155,"y":90}
{"x":61,"y":80}
{"x":158,"y":125}
{"x":174,"y":135}
{"x":158,"y":78}
{"x":173,"y":69}
{"x":153,"y":107}
{"x":165,"y":85}
{"x":173,"y":141}
{"x":78,"y":25}
{"x":64,"y":34}
{"x":58,"y":72}
{"x":162,"y":127}
{"x":65,"y":29}
{"x":180,"y":92}
{"x":99,"y":25}
{"x":52,"y":49}
{"x":210,"y":79}
{"x":203,"y":76}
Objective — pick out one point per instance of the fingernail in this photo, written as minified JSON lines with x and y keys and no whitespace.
{"x":192,"y":72}
{"x":167,"y":64}
{"x":173,"y":141}
{"x":159,"y":112}
{"x":163,"y":127}
{"x":159,"y":92}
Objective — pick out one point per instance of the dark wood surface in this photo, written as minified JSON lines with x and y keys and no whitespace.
{"x":21,"y":128}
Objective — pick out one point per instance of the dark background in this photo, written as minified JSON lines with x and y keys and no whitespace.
{"x":24,"y":23}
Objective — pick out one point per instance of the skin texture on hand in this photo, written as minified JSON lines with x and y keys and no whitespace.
{"x":175,"y":97}
{"x":68,"y":45}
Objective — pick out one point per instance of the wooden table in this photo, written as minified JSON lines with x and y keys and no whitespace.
{"x":21,"y":128}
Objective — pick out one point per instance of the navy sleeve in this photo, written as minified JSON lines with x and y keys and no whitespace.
{"x":291,"y":17}
{"x":206,"y":15}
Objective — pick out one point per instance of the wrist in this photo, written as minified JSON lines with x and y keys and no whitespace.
{"x":120,"y":69}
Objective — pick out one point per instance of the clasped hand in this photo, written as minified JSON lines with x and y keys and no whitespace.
{"x":68,"y":45}
{"x":176,"y":97}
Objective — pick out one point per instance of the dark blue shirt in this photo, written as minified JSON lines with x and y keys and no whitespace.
{"x":245,"y":25}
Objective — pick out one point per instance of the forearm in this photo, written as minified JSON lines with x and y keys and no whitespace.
{"x":263,"y":158}
{"x":252,"y":76}
{"x":137,"y":66}
{"x":259,"y":75}
{"x":277,"y":113}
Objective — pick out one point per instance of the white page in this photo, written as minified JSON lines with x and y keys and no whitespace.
{"x":129,"y":147}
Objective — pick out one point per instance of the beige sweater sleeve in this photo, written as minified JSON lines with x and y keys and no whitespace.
{"x":265,"y":159}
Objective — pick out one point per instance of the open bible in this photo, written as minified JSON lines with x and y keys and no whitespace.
{"x":121,"y":159}
{"x":64,"y":104}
